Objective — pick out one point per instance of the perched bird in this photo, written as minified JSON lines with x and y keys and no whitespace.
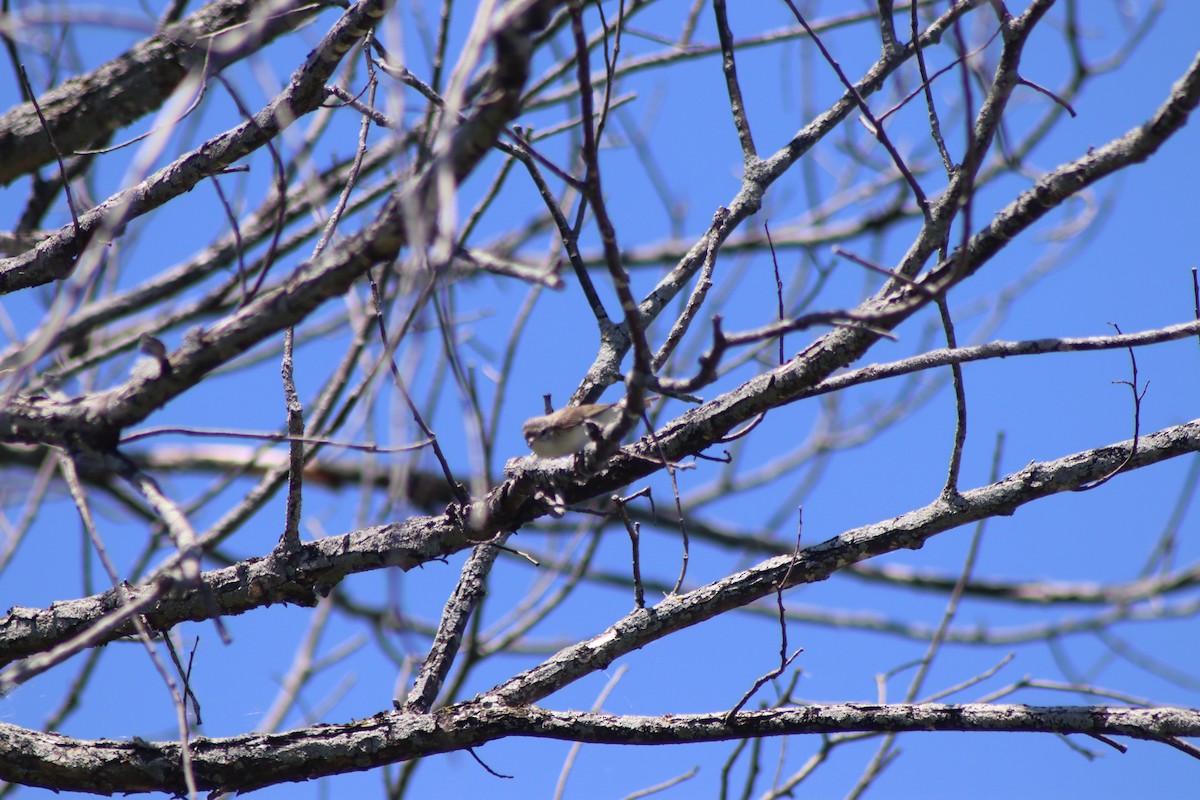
{"x":566,"y":431}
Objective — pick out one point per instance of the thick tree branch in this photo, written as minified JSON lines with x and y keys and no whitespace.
{"x":243,"y":763}
{"x":87,"y":109}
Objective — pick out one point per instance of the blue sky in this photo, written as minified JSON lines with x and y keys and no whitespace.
{"x":1130,"y":268}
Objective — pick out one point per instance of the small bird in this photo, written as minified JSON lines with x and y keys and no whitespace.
{"x":566,"y":431}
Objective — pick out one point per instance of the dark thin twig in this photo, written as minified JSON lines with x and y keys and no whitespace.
{"x":960,"y":404}
{"x":570,"y":243}
{"x":778,"y":285}
{"x":1099,"y":737}
{"x":1043,"y":90}
{"x":925,"y":83}
{"x":235,"y":231}
{"x":890,"y":273}
{"x":352,"y":176}
{"x":62,"y":168}
{"x":1137,"y":419}
{"x":185,"y":674}
{"x":710,"y":361}
{"x":935,"y":125}
{"x":521,"y":148}
{"x":634,"y":530}
{"x":967,"y":193}
{"x":1196,"y":301}
{"x":490,"y":771}
{"x":610,"y":62}
{"x":733,"y":436}
{"x":1181,"y":745}
{"x":280,"y":174}
{"x":875,"y":126}
{"x":784,"y":659}
{"x":398,"y":380}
